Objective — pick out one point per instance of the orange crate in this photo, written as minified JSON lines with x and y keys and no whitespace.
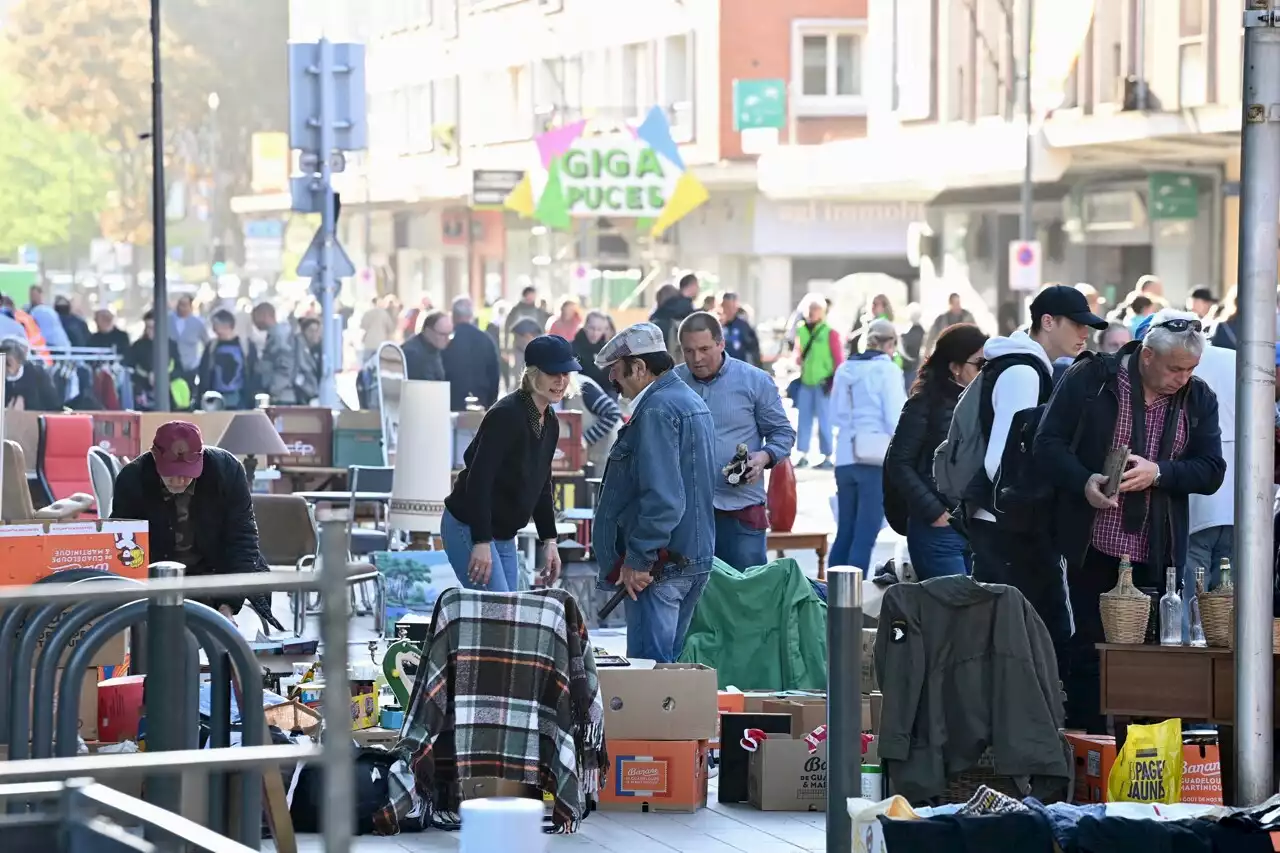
{"x":570,"y":452}
{"x":307,"y":431}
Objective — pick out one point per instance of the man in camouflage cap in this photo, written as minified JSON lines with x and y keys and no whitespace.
{"x":655,"y":523}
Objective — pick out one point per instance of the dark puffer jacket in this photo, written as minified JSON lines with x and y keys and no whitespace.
{"x":226,"y":532}
{"x":922,"y":426}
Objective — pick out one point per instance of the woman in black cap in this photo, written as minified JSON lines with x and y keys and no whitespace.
{"x":506,"y":475}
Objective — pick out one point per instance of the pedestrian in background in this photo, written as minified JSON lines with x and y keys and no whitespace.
{"x":470,"y":360}
{"x":866,"y":400}
{"x":819,"y":353}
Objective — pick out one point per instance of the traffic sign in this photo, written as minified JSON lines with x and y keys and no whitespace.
{"x":1024,"y":266}
{"x":309,"y":266}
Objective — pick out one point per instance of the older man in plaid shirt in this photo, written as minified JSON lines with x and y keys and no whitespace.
{"x":1143,"y":397}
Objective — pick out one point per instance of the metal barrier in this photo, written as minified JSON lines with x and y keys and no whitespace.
{"x":844,"y":703}
{"x":68,"y":818}
{"x":174,"y":687}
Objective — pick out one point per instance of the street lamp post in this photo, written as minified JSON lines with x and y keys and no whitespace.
{"x":160,"y":285}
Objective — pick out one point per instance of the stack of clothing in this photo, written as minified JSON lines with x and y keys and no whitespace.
{"x":507,"y":690}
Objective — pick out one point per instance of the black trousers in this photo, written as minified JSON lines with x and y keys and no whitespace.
{"x":1031,"y":564}
{"x":1095,"y":574}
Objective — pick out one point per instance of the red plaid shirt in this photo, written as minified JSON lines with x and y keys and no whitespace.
{"x":1109,"y":535}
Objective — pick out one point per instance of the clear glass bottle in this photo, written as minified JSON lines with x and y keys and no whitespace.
{"x":1224,"y":574}
{"x":1196,"y":625}
{"x":1171,"y":610}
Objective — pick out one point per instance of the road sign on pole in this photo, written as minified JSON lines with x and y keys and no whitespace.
{"x":1024,"y":266}
{"x":326,"y":117}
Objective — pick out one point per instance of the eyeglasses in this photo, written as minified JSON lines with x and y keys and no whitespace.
{"x":1181,"y":325}
{"x":978,"y":363}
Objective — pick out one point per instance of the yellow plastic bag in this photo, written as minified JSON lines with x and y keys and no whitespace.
{"x":1149,"y":768}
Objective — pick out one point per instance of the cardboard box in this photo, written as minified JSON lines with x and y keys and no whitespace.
{"x":783,"y":776}
{"x":753,"y":700}
{"x":212,"y":425}
{"x":731,"y":787}
{"x":806,"y":713}
{"x":33,"y":550}
{"x":88,"y":705}
{"x":729,"y":701}
{"x":655,"y":776}
{"x":376,"y":737}
{"x":365,"y":713}
{"x":870,"y":684}
{"x":111,"y":653}
{"x":1095,"y":755}
{"x":672,"y":701}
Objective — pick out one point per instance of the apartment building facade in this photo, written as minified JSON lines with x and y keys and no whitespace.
{"x":459,"y":89}
{"x":1134,"y":139}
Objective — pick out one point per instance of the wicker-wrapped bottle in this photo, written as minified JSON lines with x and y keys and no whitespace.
{"x":1125,"y":609}
{"x":1217,"y":609}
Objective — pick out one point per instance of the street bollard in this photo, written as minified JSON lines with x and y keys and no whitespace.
{"x":339,"y":757}
{"x":166,"y":689}
{"x":510,"y":824}
{"x":844,"y":703}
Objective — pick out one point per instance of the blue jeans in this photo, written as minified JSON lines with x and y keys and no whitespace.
{"x":739,"y":545}
{"x":859,"y":514}
{"x":1205,"y":549}
{"x":659,"y":617}
{"x":937,"y":551}
{"x":457,"y":546}
{"x":814,"y":401}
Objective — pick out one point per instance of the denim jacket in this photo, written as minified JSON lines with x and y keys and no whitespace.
{"x":658,"y":485}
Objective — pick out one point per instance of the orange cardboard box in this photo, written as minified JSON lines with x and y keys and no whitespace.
{"x":1095,"y":754}
{"x":655,"y":776}
{"x":30,"y":551}
{"x":730,"y":701}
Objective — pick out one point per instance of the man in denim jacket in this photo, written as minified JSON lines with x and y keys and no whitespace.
{"x":655,"y":515}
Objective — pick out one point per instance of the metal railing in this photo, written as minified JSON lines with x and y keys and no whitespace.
{"x":116,"y":604}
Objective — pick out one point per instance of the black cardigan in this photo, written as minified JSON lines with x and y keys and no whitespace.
{"x":922,"y":426}
{"x":506,"y":476}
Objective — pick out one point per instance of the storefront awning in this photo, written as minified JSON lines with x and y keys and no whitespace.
{"x":911,"y":164}
{"x":1203,"y":133}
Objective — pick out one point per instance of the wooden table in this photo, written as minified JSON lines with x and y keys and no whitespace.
{"x":1160,"y":682}
{"x":778,"y":541}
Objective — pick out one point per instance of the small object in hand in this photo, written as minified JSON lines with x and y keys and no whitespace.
{"x":1117,"y":460}
{"x":735,"y":472}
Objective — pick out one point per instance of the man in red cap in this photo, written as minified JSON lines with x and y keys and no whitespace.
{"x":197,"y":503}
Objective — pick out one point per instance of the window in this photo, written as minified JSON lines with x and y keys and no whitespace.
{"x":1193,"y":53}
{"x":990,"y":34}
{"x":914,"y":59}
{"x":445,"y":130}
{"x":418,"y":120}
{"x":1109,"y":53}
{"x":506,"y":96}
{"x":675,"y":89}
{"x":637,"y":80}
{"x":959,"y":83}
{"x":598,"y":83}
{"x":828,"y":67}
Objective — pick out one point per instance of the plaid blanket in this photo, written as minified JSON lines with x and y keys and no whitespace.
{"x":507,"y":689}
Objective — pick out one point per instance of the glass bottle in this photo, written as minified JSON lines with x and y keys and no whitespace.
{"x":1196,"y":626}
{"x":1171,"y":610}
{"x":1224,"y":574}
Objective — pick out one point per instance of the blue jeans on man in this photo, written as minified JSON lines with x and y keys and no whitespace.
{"x":1205,"y":549}
{"x":658,"y":620}
{"x":937,"y":551}
{"x":859,"y":514}
{"x":505,"y":573}
{"x":813,"y":402}
{"x":738,"y":544}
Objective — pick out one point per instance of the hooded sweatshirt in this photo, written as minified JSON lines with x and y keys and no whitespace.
{"x":866,"y":398}
{"x":1017,"y":388}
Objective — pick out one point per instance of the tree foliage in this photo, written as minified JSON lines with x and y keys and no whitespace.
{"x":55,"y":182}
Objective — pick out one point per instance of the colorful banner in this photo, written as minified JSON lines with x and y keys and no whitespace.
{"x":637,"y":173}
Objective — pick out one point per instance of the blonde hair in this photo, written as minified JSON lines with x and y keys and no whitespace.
{"x":529,"y":380}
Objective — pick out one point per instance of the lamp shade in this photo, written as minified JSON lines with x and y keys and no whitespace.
{"x":251,"y":433}
{"x":424,"y":463}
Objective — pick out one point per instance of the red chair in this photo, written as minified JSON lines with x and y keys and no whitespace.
{"x":61,"y":453}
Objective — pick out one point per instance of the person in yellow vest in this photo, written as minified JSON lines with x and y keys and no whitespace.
{"x":818,"y":352}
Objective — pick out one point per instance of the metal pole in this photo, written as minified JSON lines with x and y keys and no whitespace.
{"x":166,"y":723}
{"x":332,"y":340}
{"x":1255,"y":402}
{"x":844,"y":703}
{"x":1027,"y":225}
{"x":160,"y":287}
{"x":339,"y":760}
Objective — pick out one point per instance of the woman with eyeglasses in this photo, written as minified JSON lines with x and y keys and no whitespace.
{"x":911,"y":497}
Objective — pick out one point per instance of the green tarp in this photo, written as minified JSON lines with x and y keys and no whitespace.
{"x":762,"y":629}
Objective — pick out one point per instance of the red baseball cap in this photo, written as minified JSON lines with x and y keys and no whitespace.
{"x":178,"y":450}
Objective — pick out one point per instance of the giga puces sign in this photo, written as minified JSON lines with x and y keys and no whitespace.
{"x":615,"y":176}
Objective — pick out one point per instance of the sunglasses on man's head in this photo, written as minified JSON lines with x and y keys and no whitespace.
{"x":1181,"y":325}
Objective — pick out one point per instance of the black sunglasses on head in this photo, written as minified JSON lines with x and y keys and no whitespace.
{"x":1181,"y":325}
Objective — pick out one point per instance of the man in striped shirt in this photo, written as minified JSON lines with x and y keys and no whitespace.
{"x":746,"y":409}
{"x":601,"y":418}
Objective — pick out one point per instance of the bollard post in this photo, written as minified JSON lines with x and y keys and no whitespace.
{"x":166,"y":690}
{"x":339,"y":757}
{"x":844,"y":703}
{"x":511,"y":824}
